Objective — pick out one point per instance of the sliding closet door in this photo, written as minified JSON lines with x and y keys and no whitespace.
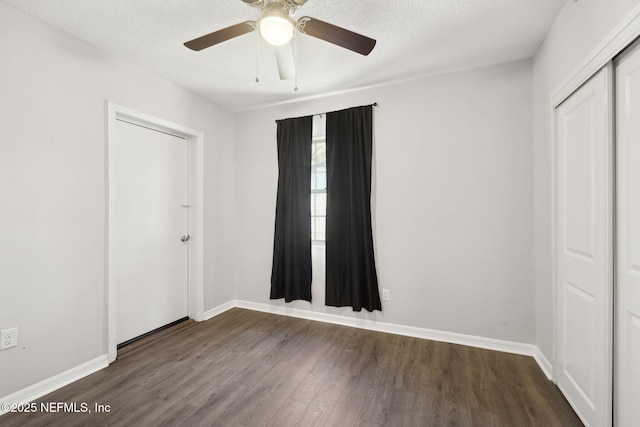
{"x":584,"y":249}
{"x":627,"y":362}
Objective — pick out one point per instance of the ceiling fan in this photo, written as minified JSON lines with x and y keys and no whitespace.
{"x":277,"y":27}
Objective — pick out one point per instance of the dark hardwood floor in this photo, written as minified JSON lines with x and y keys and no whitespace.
{"x":246,"y":368}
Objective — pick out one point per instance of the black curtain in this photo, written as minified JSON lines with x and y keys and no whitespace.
{"x":291,"y":269}
{"x":351,"y":278}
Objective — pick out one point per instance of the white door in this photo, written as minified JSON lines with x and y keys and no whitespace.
{"x":584,"y":250}
{"x":148,"y":186}
{"x":627,"y":362}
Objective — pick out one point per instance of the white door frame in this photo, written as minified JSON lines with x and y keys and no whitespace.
{"x":196,"y":216}
{"x":627,"y":30}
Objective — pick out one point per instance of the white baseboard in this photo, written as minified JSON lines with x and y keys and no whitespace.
{"x":544,"y":364}
{"x":411,"y":331}
{"x":49,"y":385}
{"x":213,"y":312}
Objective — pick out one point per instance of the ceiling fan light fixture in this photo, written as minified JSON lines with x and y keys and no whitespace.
{"x":276,"y":28}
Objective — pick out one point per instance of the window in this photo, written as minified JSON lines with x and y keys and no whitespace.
{"x":318,"y":189}
{"x":318,"y":181}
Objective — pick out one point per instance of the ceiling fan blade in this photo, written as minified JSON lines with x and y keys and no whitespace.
{"x":221,"y":35}
{"x":254,"y":3}
{"x":286,"y":64}
{"x":336,"y":35}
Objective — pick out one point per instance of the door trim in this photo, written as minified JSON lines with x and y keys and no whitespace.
{"x":623,"y":34}
{"x":196,"y":214}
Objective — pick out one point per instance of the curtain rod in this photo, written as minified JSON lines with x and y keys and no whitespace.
{"x":375,"y":104}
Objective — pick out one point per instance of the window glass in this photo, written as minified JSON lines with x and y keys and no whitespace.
{"x":318,"y":180}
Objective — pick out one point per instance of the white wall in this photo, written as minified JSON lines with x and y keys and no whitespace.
{"x":53,"y":89}
{"x":578,"y":30}
{"x":453,"y":201}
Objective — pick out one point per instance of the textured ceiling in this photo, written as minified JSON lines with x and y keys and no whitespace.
{"x":415,"y":38}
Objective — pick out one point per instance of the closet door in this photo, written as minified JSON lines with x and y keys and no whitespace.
{"x":584,"y":250}
{"x":627,"y":362}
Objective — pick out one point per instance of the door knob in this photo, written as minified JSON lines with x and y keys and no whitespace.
{"x":185,"y":238}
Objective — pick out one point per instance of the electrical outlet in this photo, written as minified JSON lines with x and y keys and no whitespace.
{"x":385,"y":294}
{"x":8,"y":338}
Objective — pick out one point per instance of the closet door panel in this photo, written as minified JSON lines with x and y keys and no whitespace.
{"x":584,"y":249}
{"x":627,"y":363}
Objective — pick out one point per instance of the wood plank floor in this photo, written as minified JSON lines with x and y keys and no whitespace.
{"x":246,"y":368}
